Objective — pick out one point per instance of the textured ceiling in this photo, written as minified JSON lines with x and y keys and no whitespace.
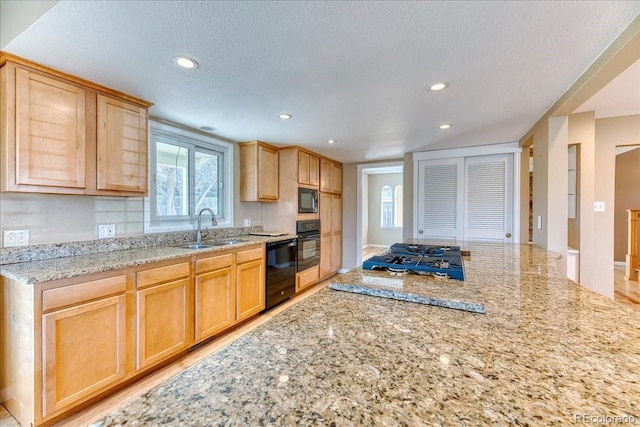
{"x":352,"y":71}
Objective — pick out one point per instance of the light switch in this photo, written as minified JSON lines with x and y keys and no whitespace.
{"x":598,"y":206}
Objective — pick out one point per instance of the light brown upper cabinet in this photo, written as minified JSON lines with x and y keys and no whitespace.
{"x":50,"y":143}
{"x":258,"y":172}
{"x":122,"y":146}
{"x":308,"y":168}
{"x":330,"y":176}
{"x":62,"y":134}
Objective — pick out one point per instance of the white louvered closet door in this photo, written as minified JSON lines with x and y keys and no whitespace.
{"x":440,"y":201}
{"x":488,"y":197}
{"x":468,"y":198}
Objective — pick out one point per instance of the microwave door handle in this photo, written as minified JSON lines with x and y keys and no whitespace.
{"x":315,"y":201}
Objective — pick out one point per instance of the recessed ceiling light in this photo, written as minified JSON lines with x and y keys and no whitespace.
{"x":331,"y":141}
{"x":208,"y":128}
{"x":438,"y":86}
{"x":446,"y":126}
{"x":185,"y":62}
{"x":284,"y":116}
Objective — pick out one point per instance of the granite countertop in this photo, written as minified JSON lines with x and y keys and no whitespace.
{"x":545,"y":352}
{"x":33,"y":272}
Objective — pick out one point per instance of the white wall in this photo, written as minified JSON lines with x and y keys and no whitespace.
{"x":61,"y":218}
{"x":540,"y":185}
{"x":408,"y":198}
{"x":351,"y":234}
{"x":365,"y":212}
{"x":18,"y":15}
{"x":558,"y":179}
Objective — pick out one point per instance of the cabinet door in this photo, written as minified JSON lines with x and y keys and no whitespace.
{"x":326,"y":231}
{"x":303,"y":167}
{"x":336,"y":178}
{"x":121,"y":146}
{"x":336,"y":214}
{"x":314,"y":169}
{"x":336,"y":233}
{"x":326,"y":213}
{"x":268,"y":170}
{"x":250,"y":288}
{"x":161,"y":317}
{"x":215,"y":302}
{"x":83,"y":350}
{"x":50,"y":132}
{"x":325,"y":175}
{"x":326,"y":256}
{"x":336,"y":252}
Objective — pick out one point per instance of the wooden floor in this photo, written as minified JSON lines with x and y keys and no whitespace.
{"x":6,"y":420}
{"x":625,"y":291}
{"x":369,"y":251}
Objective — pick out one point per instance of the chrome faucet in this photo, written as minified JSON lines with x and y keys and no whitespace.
{"x":213,"y":222}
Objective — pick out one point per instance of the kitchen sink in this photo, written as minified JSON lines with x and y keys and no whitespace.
{"x":212,"y":244}
{"x":227,"y":242}
{"x":196,"y":246}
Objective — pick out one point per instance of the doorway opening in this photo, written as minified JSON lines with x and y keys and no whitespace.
{"x":380,"y":205}
{"x":627,"y":198}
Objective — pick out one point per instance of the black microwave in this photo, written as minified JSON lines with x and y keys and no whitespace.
{"x":307,"y":200}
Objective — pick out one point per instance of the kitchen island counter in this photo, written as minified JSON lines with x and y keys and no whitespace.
{"x":546,"y":352}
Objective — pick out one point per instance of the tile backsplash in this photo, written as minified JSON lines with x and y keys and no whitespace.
{"x":65,"y":218}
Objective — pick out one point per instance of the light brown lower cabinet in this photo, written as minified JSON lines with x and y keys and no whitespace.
{"x":83,"y":345}
{"x":250,"y":283}
{"x":161,"y":312}
{"x":65,"y":342}
{"x":215,"y":295}
{"x":307,"y":277}
{"x":331,"y":233}
{"x":162,"y":322}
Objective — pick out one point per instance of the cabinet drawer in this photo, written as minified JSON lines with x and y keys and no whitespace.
{"x":249,"y":255}
{"x":213,"y":263}
{"x":154,"y":276}
{"x":307,"y":277}
{"x":73,"y":294}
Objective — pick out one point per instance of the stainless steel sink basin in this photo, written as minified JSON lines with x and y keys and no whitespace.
{"x":212,"y":244}
{"x":196,"y":246}
{"x":227,"y":242}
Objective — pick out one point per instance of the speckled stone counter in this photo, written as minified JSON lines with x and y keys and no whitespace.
{"x":63,"y":268}
{"x":546,"y":352}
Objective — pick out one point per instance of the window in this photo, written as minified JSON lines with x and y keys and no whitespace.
{"x":188,"y":172}
{"x":391,"y":206}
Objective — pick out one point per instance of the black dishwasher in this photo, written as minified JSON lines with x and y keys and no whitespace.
{"x":280,"y":272}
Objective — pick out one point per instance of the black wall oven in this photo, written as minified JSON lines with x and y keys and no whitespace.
{"x":308,"y":232}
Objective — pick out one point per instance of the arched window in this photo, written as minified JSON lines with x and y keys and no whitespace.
{"x":391,"y":206}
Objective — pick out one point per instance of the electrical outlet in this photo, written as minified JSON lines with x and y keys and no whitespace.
{"x":106,"y":231}
{"x":14,"y":238}
{"x":598,"y":206}
{"x":247,"y":223}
